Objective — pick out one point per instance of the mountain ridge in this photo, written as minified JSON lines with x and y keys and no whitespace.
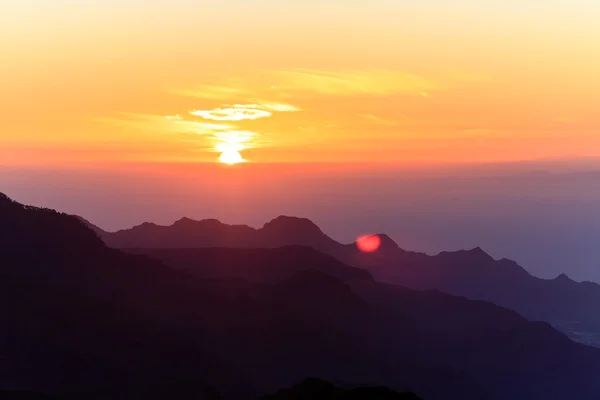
{"x":310,"y":324}
{"x":471,"y":273}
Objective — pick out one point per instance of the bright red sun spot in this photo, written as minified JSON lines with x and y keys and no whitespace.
{"x":368,"y":243}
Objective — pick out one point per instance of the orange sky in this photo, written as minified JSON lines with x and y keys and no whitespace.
{"x":298,"y":81}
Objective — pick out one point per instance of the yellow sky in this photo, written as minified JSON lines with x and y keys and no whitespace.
{"x":298,"y":81}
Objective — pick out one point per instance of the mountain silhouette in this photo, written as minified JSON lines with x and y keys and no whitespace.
{"x":187,"y":233}
{"x":568,"y":305}
{"x":316,"y":389}
{"x":271,"y":265}
{"x":18,"y":395}
{"x":82,"y":319}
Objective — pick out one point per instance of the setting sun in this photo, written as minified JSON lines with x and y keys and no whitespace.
{"x":231,"y":157}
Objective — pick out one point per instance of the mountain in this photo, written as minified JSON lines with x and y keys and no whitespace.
{"x":309,"y":389}
{"x":82,"y":320}
{"x":17,"y":395}
{"x":568,"y":305}
{"x":271,"y":265}
{"x":316,"y":389}
{"x":186,"y":233}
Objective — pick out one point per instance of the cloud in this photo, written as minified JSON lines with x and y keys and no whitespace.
{"x":232,"y":114}
{"x":173,"y":117}
{"x":240,"y":112}
{"x":217,"y":137}
{"x":373,"y":82}
{"x":168,"y":123}
{"x":278,"y":107}
{"x":295,"y":82}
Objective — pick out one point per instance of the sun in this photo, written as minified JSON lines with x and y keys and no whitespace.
{"x":231,"y":157}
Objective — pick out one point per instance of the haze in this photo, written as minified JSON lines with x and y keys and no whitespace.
{"x":541,"y":214}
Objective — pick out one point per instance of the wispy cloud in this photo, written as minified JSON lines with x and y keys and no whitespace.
{"x":202,"y":136}
{"x":277,"y":107}
{"x":231,"y":114}
{"x":240,"y":112}
{"x":374,"y":82}
{"x":166,"y":123}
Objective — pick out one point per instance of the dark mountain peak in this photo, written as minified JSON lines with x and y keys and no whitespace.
{"x":147,"y":225}
{"x":185,"y":220}
{"x":471,"y":257}
{"x":386,"y":242}
{"x":285,"y":230}
{"x":478,"y":254}
{"x":479,"y":251}
{"x":42,"y":229}
{"x":210,"y":226}
{"x":188,"y":222}
{"x":513,"y":267}
{"x":284,"y":222}
{"x":4,"y":198}
{"x":563,"y":278}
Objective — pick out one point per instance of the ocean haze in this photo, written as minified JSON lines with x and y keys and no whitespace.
{"x":541,"y":214}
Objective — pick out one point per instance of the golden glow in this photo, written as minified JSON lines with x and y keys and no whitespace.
{"x":230,"y":143}
{"x":231,"y":157}
{"x":423,"y":82}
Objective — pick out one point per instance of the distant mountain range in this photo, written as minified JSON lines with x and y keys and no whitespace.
{"x":83,"y":321}
{"x":568,"y":305}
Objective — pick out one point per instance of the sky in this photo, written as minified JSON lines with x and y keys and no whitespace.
{"x":298,"y":81}
{"x":446,"y":124}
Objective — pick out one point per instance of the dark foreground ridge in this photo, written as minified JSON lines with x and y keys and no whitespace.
{"x":310,"y":389}
{"x":81,"y":320}
{"x":316,"y":389}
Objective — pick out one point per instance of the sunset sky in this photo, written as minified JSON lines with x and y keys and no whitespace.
{"x":298,"y":80}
